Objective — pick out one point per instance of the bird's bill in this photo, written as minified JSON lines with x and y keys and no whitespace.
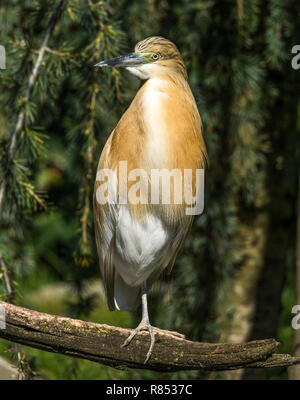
{"x":129,"y":60}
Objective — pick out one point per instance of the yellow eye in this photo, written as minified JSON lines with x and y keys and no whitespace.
{"x":155,"y":56}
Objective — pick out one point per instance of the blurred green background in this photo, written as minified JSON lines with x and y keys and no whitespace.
{"x":235,"y":279}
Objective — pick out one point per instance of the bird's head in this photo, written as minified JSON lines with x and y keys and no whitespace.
{"x":152,"y":57}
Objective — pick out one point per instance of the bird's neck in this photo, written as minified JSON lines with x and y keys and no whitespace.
{"x":163,"y":97}
{"x":160,"y":129}
{"x":162,"y":90}
{"x":162,"y":104}
{"x":169,"y":78}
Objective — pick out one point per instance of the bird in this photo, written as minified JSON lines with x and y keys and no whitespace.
{"x":161,"y":130}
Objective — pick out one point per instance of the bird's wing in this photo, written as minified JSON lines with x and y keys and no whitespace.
{"x":179,"y":242}
{"x":105,"y":217}
{"x":105,"y":241}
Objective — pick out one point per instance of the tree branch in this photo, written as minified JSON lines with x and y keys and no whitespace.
{"x":102,"y":343}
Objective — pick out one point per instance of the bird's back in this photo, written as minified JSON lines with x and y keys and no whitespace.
{"x":160,"y":130}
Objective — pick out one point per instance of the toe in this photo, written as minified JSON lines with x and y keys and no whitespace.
{"x":142,"y":326}
{"x":152,"y":342}
{"x":129,"y":339}
{"x":169,"y":333}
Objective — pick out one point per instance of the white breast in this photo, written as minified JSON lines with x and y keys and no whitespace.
{"x":140,"y":246}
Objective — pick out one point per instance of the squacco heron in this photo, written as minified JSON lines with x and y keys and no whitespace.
{"x":138,"y":239}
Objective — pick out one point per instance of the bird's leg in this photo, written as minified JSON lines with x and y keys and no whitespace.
{"x":143,"y":325}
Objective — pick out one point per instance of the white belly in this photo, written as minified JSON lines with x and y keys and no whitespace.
{"x":140,"y":246}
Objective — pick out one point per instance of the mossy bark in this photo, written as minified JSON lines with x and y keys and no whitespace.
{"x":102,"y":343}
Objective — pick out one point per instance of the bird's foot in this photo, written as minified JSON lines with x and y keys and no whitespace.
{"x":144,"y":325}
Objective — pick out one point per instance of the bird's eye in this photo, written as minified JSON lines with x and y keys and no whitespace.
{"x":155,"y":56}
